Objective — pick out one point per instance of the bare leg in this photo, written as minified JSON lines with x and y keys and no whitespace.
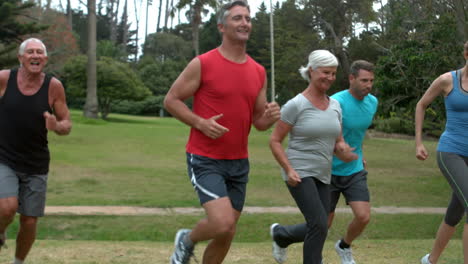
{"x":331,"y":216}
{"x":26,"y":236}
{"x":219,"y":226}
{"x":8,"y":207}
{"x":361,"y":211}
{"x":443,"y":236}
{"x":465,"y":243}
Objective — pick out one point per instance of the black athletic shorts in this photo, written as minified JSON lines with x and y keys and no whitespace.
{"x":353,"y":187}
{"x":214,"y":178}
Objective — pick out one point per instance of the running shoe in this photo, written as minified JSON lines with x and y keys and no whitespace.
{"x":346,"y":255}
{"x":425,"y":259}
{"x":182,"y":253}
{"x":279,"y":253}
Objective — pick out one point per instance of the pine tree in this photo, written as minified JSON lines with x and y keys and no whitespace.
{"x":12,"y":29}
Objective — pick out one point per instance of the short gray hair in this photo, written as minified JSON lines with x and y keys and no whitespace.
{"x":318,"y":58}
{"x":23,"y":45}
{"x":224,"y":11}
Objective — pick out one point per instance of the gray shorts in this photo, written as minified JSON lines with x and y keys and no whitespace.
{"x":214,"y":178}
{"x":30,"y":189}
{"x":353,"y":187}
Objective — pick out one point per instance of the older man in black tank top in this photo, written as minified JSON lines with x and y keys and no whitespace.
{"x":31,"y":103}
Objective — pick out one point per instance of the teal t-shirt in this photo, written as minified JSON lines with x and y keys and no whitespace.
{"x":357,"y":116}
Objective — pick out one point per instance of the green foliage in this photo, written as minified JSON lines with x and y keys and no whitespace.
{"x":151,"y":105}
{"x":12,"y":29}
{"x":106,"y":48}
{"x":80,"y":25}
{"x":396,"y":123}
{"x":210,"y":37}
{"x":294,"y":40}
{"x":166,"y":46}
{"x":115,"y":81}
{"x":408,"y":70}
{"x":158,"y":76}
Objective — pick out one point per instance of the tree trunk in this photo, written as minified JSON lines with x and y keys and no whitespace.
{"x":91,"y":106}
{"x":146,"y":17}
{"x":196,"y":21}
{"x":137,"y":29}
{"x":124,"y":25}
{"x":461,"y":10}
{"x":112,"y":13}
{"x":159,"y":15}
{"x":166,"y":17}
{"x":69,"y":15}
{"x":338,"y":49}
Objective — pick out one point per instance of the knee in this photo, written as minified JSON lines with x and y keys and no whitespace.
{"x":8,"y":210}
{"x":363,"y":218}
{"x":224,"y":227}
{"x":28,"y":221}
{"x":454,"y":215}
{"x":319,"y":227}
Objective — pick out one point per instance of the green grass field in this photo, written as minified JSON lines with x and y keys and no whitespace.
{"x":106,"y":252}
{"x":140,"y":161}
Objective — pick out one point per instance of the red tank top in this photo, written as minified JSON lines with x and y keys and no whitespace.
{"x":230,"y":89}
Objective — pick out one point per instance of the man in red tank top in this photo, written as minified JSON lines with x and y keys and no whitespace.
{"x":31,"y":103}
{"x":229,"y":96}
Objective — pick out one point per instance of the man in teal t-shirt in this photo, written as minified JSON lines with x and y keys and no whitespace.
{"x":350,"y":179}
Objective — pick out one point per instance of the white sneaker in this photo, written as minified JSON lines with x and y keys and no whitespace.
{"x":345,"y":254}
{"x":182,"y":254}
{"x":425,"y":259}
{"x":279,"y":253}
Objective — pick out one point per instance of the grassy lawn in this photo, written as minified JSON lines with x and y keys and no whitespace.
{"x":141,"y":161}
{"x":102,"y":252}
{"x":252,"y":228}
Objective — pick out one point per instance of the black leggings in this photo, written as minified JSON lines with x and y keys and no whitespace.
{"x":455,"y":169}
{"x":313,"y":199}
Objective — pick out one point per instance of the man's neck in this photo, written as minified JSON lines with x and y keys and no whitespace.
{"x":235,"y":52}
{"x":27,"y":76}
{"x":354,"y":95}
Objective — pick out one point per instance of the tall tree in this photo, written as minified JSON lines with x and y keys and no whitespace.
{"x":336,"y":19}
{"x":148,"y":3}
{"x":196,"y":8}
{"x":12,"y":29}
{"x":69,"y":14}
{"x":112,"y":15}
{"x":124,"y":26}
{"x":159,"y":15}
{"x":461,"y":11}
{"x":167,"y":13}
{"x":91,"y":106}
{"x":137,"y":20}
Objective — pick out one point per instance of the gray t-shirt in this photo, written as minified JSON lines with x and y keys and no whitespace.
{"x":312,"y":137}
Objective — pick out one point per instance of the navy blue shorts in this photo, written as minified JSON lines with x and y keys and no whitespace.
{"x":214,"y":178}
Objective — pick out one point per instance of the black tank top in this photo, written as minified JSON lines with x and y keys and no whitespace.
{"x":23,"y":135}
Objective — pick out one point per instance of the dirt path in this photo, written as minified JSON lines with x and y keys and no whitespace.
{"x":131,"y":210}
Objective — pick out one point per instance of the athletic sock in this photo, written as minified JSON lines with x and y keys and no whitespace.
{"x":343,"y":244}
{"x":187,"y":242}
{"x":18,"y":261}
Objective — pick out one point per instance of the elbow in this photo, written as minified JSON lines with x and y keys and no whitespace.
{"x":166,"y":102}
